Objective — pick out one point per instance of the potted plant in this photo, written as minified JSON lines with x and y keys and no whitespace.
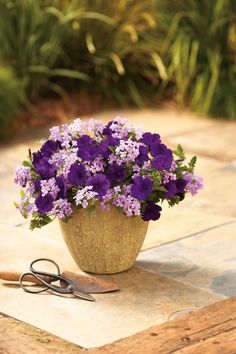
{"x":104,"y":183}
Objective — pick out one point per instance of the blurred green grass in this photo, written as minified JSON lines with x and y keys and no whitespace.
{"x":127,"y":51}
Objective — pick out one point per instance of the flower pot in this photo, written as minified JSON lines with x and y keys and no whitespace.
{"x":104,"y":242}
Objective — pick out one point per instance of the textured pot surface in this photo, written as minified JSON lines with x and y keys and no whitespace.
{"x":104,"y":242}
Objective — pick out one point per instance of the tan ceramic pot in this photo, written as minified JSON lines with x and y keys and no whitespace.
{"x":104,"y":242}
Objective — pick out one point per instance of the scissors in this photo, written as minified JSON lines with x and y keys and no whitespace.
{"x":39,"y":275}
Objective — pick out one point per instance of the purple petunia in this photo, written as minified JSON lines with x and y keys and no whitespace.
{"x":77,"y":174}
{"x":149,"y":138}
{"x":44,"y":204}
{"x":151,"y":212}
{"x":104,"y":146}
{"x":116,"y":173}
{"x":175,"y":187}
{"x":50,"y":147}
{"x":44,"y":168}
{"x":100,"y":184}
{"x":88,"y":152}
{"x":83,"y":140}
{"x":142,"y":156}
{"x":162,"y":162}
{"x":61,"y":184}
{"x":141,"y":188}
{"x":157,"y":149}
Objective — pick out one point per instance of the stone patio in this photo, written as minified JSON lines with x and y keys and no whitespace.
{"x":188,"y":258}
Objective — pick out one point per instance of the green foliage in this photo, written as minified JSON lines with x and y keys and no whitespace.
{"x":39,"y":221}
{"x":200,"y":48}
{"x":127,"y":51}
{"x":192,"y":163}
{"x":10,"y":98}
{"x":179,"y":152}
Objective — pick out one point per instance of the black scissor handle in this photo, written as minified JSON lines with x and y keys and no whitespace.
{"x":27,"y":288}
{"x":39,"y":272}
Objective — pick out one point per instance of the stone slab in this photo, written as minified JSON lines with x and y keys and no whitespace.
{"x":217,"y":141}
{"x":145,"y":298}
{"x":206,"y":260}
{"x":218,"y":195}
{"x":167,"y":122}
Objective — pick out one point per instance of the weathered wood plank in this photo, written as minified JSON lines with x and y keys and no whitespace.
{"x":211,"y":330}
{"x":17,"y":337}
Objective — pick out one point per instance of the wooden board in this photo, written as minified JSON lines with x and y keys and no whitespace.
{"x":211,"y":330}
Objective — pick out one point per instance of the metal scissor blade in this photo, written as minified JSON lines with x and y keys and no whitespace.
{"x":84,"y":296}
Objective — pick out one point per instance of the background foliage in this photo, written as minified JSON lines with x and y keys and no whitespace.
{"x":127,"y":51}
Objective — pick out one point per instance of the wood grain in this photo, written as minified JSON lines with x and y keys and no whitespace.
{"x":211,"y":330}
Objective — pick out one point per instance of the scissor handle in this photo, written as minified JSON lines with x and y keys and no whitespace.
{"x":54,"y":277}
{"x":27,"y":289}
{"x":39,"y":272}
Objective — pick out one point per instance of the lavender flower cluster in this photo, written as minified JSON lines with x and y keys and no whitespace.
{"x":83,"y":164}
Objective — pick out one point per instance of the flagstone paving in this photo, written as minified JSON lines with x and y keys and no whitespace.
{"x":206,"y":260}
{"x":188,"y":258}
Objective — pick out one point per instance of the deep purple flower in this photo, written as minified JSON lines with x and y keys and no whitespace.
{"x":180,"y":184}
{"x":99,"y":183}
{"x":116,"y":173}
{"x":77,"y":174}
{"x":141,"y":187}
{"x":37,"y":156}
{"x":157,"y":149}
{"x":44,"y":204}
{"x":175,"y":187}
{"x":88,"y":152}
{"x":61,"y":183}
{"x":107,"y":131}
{"x":50,"y":147}
{"x":44,"y":168}
{"x":104,"y":145}
{"x":37,"y":184}
{"x":171,"y":189}
{"x":149,"y":138}
{"x":83,"y":140}
{"x":143,"y":155}
{"x":151,"y":212}
{"x":162,"y":162}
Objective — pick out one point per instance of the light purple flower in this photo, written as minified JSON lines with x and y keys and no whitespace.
{"x":22,"y":175}
{"x":62,"y":208}
{"x":64,"y":159}
{"x":126,"y":151}
{"x":49,"y":186}
{"x":83,"y":196}
{"x":168,"y":176}
{"x":194,"y":183}
{"x":95,"y":166}
{"x":26,"y":206}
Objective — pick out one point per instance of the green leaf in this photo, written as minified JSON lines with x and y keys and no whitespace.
{"x":39,"y":220}
{"x":70,"y":74}
{"x":154,"y":197}
{"x":179,"y":152}
{"x":22,"y":193}
{"x":192,"y":163}
{"x":161,"y":188}
{"x":112,"y":149}
{"x":27,"y":164}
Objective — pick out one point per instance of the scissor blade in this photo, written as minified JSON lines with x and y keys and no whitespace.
{"x":84,"y":296}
